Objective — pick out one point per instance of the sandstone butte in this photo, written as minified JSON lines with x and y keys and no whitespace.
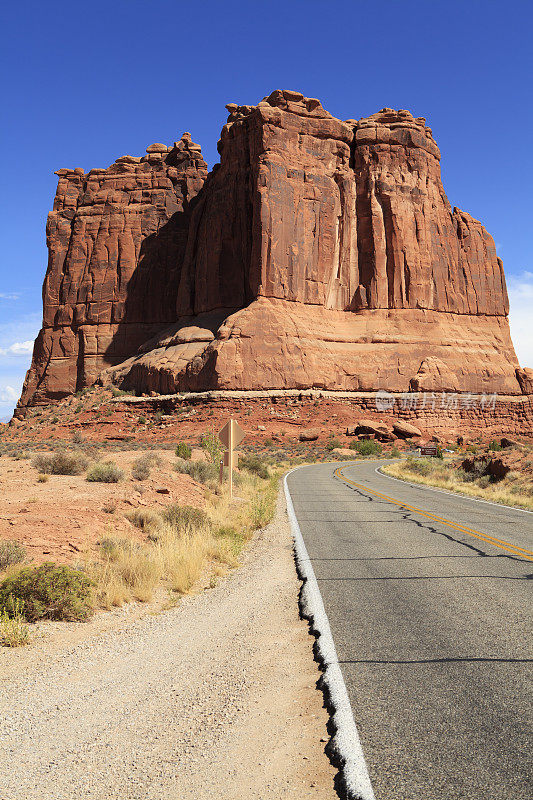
{"x":317,"y":254}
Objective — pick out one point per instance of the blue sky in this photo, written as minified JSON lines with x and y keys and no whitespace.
{"x":87,"y":82}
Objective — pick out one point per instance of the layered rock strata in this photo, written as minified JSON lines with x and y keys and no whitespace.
{"x":318,"y":253}
{"x":116,"y":239}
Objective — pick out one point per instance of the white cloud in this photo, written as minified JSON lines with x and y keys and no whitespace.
{"x":18,"y":349}
{"x":8,"y":394}
{"x":520,"y":288}
{"x":9,"y":296}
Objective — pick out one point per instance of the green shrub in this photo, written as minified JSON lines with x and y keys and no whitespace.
{"x":183,"y":450}
{"x":200,"y":471}
{"x":11,"y":552}
{"x":54,"y":420}
{"x":186,"y":518}
{"x":395,"y":453}
{"x":333,"y":443}
{"x":367,"y":447}
{"x":60,"y":463}
{"x":117,"y":392}
{"x":43,"y":477}
{"x":105,"y":472}
{"x":141,"y":421}
{"x":213,"y":446}
{"x":494,"y":445}
{"x":49,"y":591}
{"x":252,"y":463}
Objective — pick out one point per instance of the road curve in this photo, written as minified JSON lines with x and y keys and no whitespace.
{"x":428,"y":596}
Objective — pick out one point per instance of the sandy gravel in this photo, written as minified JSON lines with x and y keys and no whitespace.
{"x":215,"y":698}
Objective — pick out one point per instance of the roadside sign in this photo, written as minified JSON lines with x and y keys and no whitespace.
{"x":428,"y":450}
{"x":231,"y":429}
{"x":231,"y":435}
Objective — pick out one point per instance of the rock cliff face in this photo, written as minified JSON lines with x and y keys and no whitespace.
{"x":116,"y":239}
{"x":319,"y":253}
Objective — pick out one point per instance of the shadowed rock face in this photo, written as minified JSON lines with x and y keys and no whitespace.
{"x":116,"y":239}
{"x":319,"y":253}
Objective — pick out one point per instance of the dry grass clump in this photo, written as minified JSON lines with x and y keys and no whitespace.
{"x":105,"y":472}
{"x":515,"y":489}
{"x":60,"y":463}
{"x":183,"y":544}
{"x":14,"y":632}
{"x":11,"y":552}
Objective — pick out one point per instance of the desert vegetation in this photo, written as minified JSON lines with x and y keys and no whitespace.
{"x":170,"y":550}
{"x":510,"y":484}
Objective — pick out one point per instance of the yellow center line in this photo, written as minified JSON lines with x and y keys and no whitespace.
{"x":511,"y":548}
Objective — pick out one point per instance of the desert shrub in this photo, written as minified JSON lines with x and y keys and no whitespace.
{"x":43,"y":477}
{"x":483,"y":482}
{"x":200,"y":471}
{"x":11,"y":552}
{"x":395,"y":453}
{"x":141,"y":467}
{"x":109,"y":507}
{"x":54,"y":420}
{"x":77,"y":438}
{"x":49,"y":591}
{"x":141,"y":421}
{"x":13,"y":629}
{"x":145,"y":519}
{"x":227,"y":531}
{"x":60,"y":463}
{"x":494,"y":445}
{"x":213,"y":446}
{"x":117,"y":392}
{"x":366,"y":447}
{"x":333,"y":443}
{"x":252,"y":463}
{"x":183,"y":450}
{"x":268,"y":442}
{"x":186,"y":518}
{"x":418,"y":466}
{"x":105,"y":472}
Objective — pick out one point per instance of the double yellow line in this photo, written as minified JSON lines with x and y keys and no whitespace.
{"x":510,"y":548}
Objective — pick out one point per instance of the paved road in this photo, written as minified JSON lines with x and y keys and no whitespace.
{"x":432,"y":626}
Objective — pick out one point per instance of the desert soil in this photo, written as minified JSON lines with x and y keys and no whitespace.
{"x":63,"y":519}
{"x":215,"y":698}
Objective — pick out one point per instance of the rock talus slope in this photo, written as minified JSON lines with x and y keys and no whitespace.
{"x":318,"y":253}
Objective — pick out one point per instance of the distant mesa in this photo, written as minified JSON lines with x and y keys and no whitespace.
{"x":317,"y":254}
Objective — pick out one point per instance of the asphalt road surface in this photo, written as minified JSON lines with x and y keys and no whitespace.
{"x":428,"y":596}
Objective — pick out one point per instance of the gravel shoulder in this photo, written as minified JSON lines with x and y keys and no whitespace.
{"x":214,"y":698}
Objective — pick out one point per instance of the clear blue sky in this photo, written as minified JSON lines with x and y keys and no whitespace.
{"x":87,"y":82}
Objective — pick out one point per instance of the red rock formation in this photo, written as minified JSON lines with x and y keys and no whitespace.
{"x":116,"y":241}
{"x":319,"y":253}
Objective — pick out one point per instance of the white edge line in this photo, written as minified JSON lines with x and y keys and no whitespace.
{"x":345,"y":742}
{"x":454,"y":494}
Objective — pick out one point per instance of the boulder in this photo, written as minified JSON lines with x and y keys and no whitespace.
{"x":405,"y":430}
{"x":309,"y":435}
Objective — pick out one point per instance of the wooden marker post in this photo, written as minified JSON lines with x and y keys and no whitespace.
{"x":231,"y":435}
